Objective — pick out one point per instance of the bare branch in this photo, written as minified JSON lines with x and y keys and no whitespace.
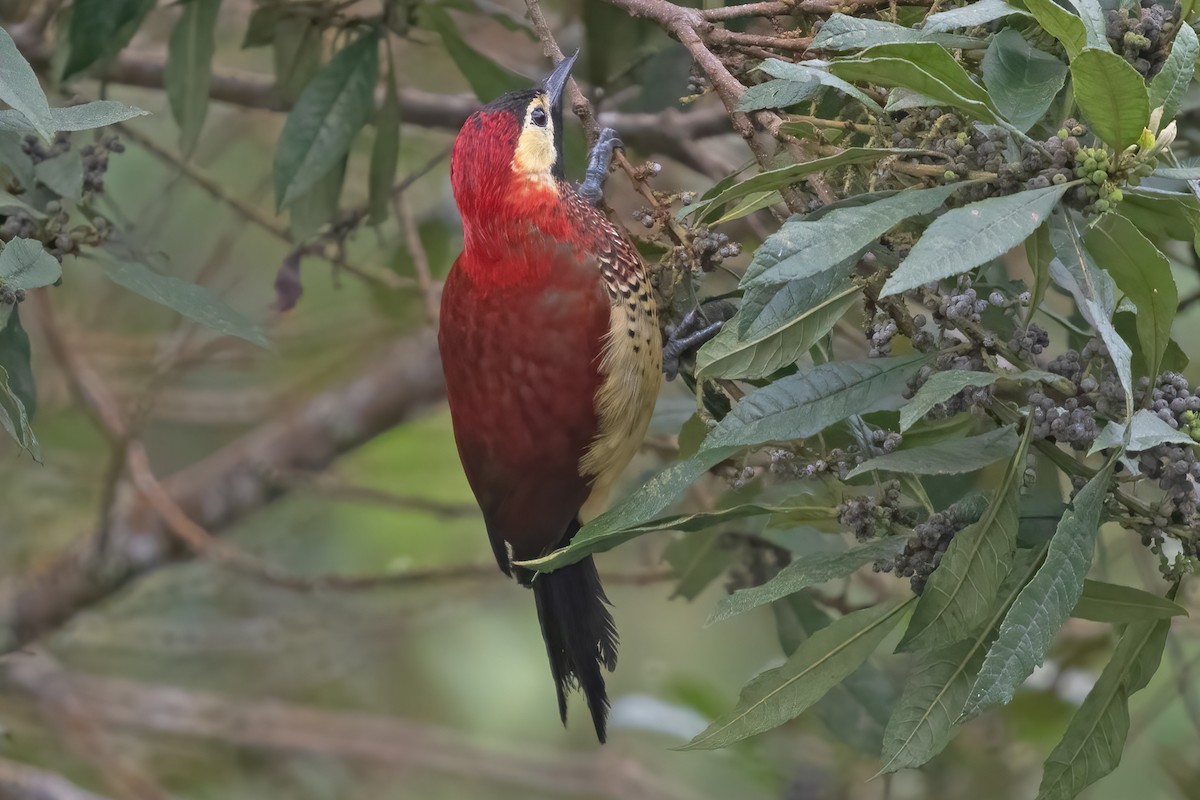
{"x":284,"y":727}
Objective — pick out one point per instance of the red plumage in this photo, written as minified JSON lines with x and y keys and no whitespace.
{"x":551,"y":354}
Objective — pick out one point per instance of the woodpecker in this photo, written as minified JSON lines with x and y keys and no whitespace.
{"x":553,"y":359}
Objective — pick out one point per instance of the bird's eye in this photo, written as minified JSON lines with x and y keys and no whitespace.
{"x":538,"y":117}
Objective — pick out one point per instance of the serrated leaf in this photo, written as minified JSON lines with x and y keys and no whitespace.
{"x":820,"y":663}
{"x":1060,"y":23}
{"x":972,"y":15}
{"x":966,"y":237}
{"x":15,"y":359}
{"x":488,"y":79}
{"x":1169,"y":85}
{"x":811,"y":570}
{"x":806,"y":403}
{"x":192,"y":301}
{"x":25,"y":264}
{"x":786,"y":176}
{"x":385,"y":153}
{"x":927,"y":712}
{"x":1091,"y":747}
{"x":646,"y":502}
{"x":802,"y":248}
{"x":19,"y":87}
{"x":1144,"y":275}
{"x":189,"y":68}
{"x":1116,"y":604}
{"x":96,"y":114}
{"x":923,"y":67}
{"x":939,"y":388}
{"x":296,"y":54}
{"x":99,"y":29}
{"x":842,"y":32}
{"x":1022,"y":80}
{"x":777,"y":94}
{"x":329,"y":113}
{"x":1112,"y":95}
{"x":586,"y":543}
{"x":961,"y":591}
{"x":1091,"y":14}
{"x":1095,"y":295}
{"x":818,"y":71}
{"x":949,"y":457}
{"x":1045,"y":603}
{"x":779,"y":327}
{"x":855,"y":710}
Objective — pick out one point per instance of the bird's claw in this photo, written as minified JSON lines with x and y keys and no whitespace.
{"x":697,"y":327}
{"x":592,"y":187}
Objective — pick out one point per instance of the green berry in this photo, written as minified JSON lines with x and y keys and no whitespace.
{"x":1059,"y":179}
{"x":1089,"y":164}
{"x":950,"y":175}
{"x":1101,"y":206}
{"x":1099,"y":177}
{"x":1063,"y":133}
{"x":1116,"y":196}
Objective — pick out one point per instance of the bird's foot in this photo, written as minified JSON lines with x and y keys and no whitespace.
{"x":700,"y":325}
{"x":592,"y":188}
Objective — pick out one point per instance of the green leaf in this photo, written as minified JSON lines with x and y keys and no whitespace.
{"x":842,"y":32}
{"x":855,"y":710}
{"x":793,"y":173}
{"x":941,"y":386}
{"x":1091,"y":14}
{"x":820,"y":663}
{"x":260,"y":30}
{"x":949,"y":457}
{"x":1144,"y":275}
{"x":1168,"y":86}
{"x":189,"y":68}
{"x":99,"y":29}
{"x":62,"y":174}
{"x":777,"y":94}
{"x":801,"y":248}
{"x":923,"y":67}
{"x":1110,"y":602}
{"x":970,"y":16}
{"x":806,"y":403}
{"x":646,"y":502}
{"x":25,"y":264}
{"x":966,"y":237}
{"x":19,"y":87}
{"x":1091,"y":747}
{"x":319,"y":205}
{"x":15,"y":359}
{"x":1148,"y":430}
{"x":782,"y":327}
{"x":385,"y":154}
{"x":96,"y":114}
{"x":962,"y":590}
{"x":1045,"y":603}
{"x":1060,"y":23}
{"x":811,"y":570}
{"x":1039,"y":253}
{"x":192,"y":301}
{"x":329,"y":113}
{"x":14,"y":419}
{"x":927,"y":712}
{"x":1112,"y":95}
{"x":297,"y":55}
{"x":1023,"y":81}
{"x":488,"y":79}
{"x":586,"y":543}
{"x":1095,"y":295}
{"x":817,"y":71}
{"x":8,"y":203}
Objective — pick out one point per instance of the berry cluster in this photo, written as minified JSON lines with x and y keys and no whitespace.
{"x":1143,"y":34}
{"x":1092,"y":371}
{"x":32,"y":146}
{"x":970,"y":398}
{"x":963,"y":303}
{"x":880,"y":332}
{"x":706,"y":250}
{"x":1029,"y":342}
{"x":923,"y":551}
{"x":785,"y":465}
{"x":869,"y":516}
{"x":1073,"y":422}
{"x":10,"y":296}
{"x":95,"y":162}
{"x":1173,"y":466}
{"x":886,"y":441}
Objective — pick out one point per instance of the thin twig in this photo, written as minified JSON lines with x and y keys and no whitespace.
{"x":420,"y":259}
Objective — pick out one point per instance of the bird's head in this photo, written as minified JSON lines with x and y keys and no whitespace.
{"x":511,"y":146}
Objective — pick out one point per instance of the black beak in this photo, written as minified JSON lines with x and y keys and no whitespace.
{"x":556,"y":81}
{"x":553,"y":86}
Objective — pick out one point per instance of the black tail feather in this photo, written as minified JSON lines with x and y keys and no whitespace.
{"x":580,"y":634}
